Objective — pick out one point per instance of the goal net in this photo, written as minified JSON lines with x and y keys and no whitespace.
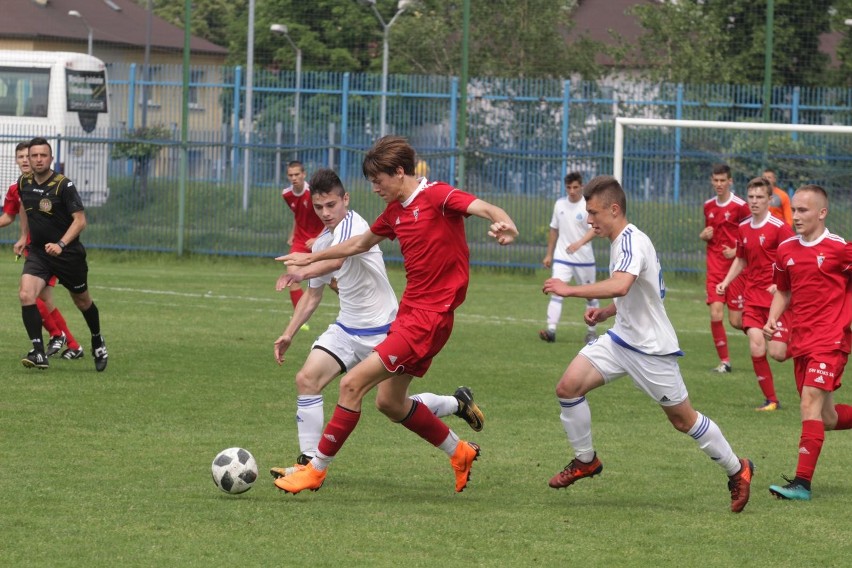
{"x":665,"y":167}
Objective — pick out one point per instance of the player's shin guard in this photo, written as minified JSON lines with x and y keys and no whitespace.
{"x":720,"y":339}
{"x":93,"y":319}
{"x":554,"y":312}
{"x":309,"y":421}
{"x":810,"y":446}
{"x":32,"y":323}
{"x":342,"y":423}
{"x":425,"y":424}
{"x":295,"y":296}
{"x":47,"y":319}
{"x":713,"y":443}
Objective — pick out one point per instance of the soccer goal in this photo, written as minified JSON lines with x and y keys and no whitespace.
{"x":669,"y":159}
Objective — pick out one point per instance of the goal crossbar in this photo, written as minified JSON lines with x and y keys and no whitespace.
{"x":621,"y":122}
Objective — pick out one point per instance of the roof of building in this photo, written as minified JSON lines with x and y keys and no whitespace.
{"x":115,"y":22}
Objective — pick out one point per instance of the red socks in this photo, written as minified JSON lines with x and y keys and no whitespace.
{"x":295,"y":295}
{"x":47,"y":319}
{"x":63,"y":327}
{"x":720,"y":339}
{"x":844,"y":416}
{"x":764,"y":377}
{"x":810,"y":445}
{"x":422,"y":422}
{"x":342,"y":424}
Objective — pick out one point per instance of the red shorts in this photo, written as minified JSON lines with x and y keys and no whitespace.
{"x":756,"y":316}
{"x":820,"y":370}
{"x":733,"y":294}
{"x":415,"y":337}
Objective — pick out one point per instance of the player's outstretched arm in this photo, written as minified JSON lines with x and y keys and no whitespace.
{"x":615,"y":286}
{"x":502,"y":228}
{"x":305,"y":308}
{"x":350,"y":247}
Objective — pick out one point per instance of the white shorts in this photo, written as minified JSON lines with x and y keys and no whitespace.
{"x":658,"y":376}
{"x":579,"y":274}
{"x":349,"y":350}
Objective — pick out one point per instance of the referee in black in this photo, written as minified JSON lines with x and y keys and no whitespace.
{"x":54,"y":211}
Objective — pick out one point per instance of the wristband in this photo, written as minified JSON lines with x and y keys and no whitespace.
{"x":61,"y":244}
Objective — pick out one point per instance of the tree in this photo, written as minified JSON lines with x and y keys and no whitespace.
{"x":141,"y":145}
{"x":724,"y":41}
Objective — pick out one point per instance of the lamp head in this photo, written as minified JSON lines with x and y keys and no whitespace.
{"x":278,"y":29}
{"x":75,"y":14}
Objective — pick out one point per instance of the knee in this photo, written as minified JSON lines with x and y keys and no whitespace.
{"x":778,"y":352}
{"x":394,"y":409}
{"x":680,"y":424}
{"x":567,"y":388}
{"x":306,"y":383}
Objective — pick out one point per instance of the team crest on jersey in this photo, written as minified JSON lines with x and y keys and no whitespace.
{"x":45,"y":205}
{"x":416,"y":213}
{"x":579,"y":216}
{"x":727,"y":215}
{"x":820,"y":259}
{"x":762,"y":240}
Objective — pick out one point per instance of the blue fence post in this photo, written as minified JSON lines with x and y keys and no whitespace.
{"x":566,"y":122}
{"x":235,"y":135}
{"x":454,"y":116}
{"x":679,"y":116}
{"x":131,"y":111}
{"x":794,"y":111}
{"x":344,"y":127}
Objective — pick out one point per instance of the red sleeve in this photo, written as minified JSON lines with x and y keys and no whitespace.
{"x":449,"y":199}
{"x":740,"y":246}
{"x":382,"y":228}
{"x":12,"y":202}
{"x":780,"y":276}
{"x":745,"y":211}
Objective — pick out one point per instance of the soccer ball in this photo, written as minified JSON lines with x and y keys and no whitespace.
{"x":234,"y":470}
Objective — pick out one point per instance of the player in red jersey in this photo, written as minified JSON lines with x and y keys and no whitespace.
{"x":779,"y":205}
{"x":812,"y":272}
{"x":52,"y":319}
{"x":758,"y":239}
{"x":307,"y":225}
{"x":722,"y":216}
{"x":428,"y":219}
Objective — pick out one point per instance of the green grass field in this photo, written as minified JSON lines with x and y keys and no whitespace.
{"x":113,"y":469}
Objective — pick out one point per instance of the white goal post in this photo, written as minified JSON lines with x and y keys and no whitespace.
{"x":621,"y":122}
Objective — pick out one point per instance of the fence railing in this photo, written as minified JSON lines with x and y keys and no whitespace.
{"x":523,"y":136}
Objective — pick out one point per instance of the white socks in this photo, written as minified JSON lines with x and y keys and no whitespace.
{"x":713,"y":443}
{"x":576,"y":419}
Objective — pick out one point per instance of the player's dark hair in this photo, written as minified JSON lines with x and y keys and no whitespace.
{"x":608,"y":190}
{"x":571,"y":177}
{"x":760,"y":182}
{"x":721,"y":169}
{"x":38,"y":141}
{"x":296,"y":164}
{"x":326,"y":181}
{"x":388,"y":154}
{"x":21,"y":146}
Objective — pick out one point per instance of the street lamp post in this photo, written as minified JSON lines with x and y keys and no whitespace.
{"x":76,"y":14}
{"x":281,"y":29}
{"x":386,"y":26}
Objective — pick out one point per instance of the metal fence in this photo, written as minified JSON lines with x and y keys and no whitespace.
{"x":523,"y":136}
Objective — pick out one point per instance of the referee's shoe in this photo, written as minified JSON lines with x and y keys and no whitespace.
{"x":35,"y":359}
{"x":99,"y":352}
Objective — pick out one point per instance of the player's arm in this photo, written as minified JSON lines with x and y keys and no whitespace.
{"x":575,"y":246}
{"x":77,"y":226}
{"x":502,"y":227}
{"x":305,"y":308}
{"x":350,"y":247}
{"x":736,"y":268}
{"x":6,"y":219}
{"x":19,"y":246}
{"x":552,"y":236}
{"x":290,"y":236}
{"x":305,"y":273}
{"x":780,"y":301}
{"x":615,"y":286}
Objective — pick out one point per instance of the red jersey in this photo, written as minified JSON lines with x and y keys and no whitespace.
{"x":757,"y":244}
{"x":308,"y":223}
{"x":12,"y":201}
{"x":817,"y":275}
{"x":725,"y":219}
{"x":430,"y":229}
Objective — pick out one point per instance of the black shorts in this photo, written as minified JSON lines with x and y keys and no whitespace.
{"x":70,"y":267}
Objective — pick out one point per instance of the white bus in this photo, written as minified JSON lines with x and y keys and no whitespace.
{"x":63,"y":97}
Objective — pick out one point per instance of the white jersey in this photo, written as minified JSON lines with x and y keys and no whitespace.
{"x":570,"y":220}
{"x":367,"y":300}
{"x":641,"y":323}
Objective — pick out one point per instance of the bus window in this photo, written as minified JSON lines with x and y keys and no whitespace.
{"x":23,"y":92}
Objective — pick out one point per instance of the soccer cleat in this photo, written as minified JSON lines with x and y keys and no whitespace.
{"x":769,"y":406}
{"x":304,"y":478}
{"x":301,"y":462}
{"x":305,"y":327}
{"x":100,"y":354}
{"x":793,"y":491}
{"x":462,"y":461}
{"x":547,"y":335}
{"x":739,"y":485}
{"x":468,"y":410}
{"x":574,"y":471}
{"x":54,"y":344}
{"x":35,"y":359}
{"x":72,"y":353}
{"x":590,"y":336}
{"x":722,"y":368}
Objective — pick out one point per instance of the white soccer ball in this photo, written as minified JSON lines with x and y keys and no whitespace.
{"x":234,"y":470}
